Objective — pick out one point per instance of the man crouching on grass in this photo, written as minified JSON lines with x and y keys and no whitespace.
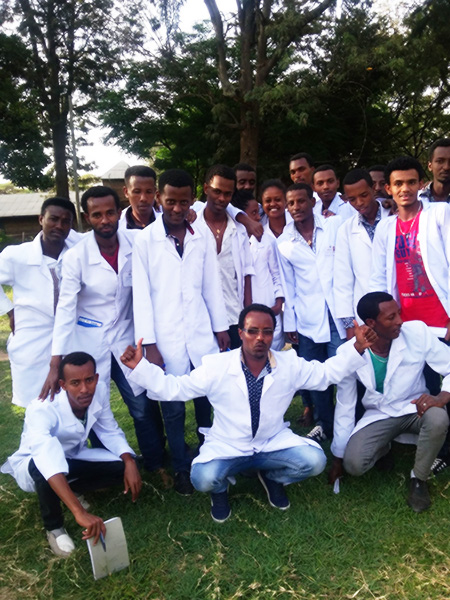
{"x":250,"y":389}
{"x":53,"y":458}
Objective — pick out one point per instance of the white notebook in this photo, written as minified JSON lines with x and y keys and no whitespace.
{"x":113,"y":554}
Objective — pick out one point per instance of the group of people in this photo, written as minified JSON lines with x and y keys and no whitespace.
{"x":177,"y":299}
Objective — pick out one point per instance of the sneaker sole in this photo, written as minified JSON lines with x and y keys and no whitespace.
{"x":220,"y":520}
{"x":268,"y":496}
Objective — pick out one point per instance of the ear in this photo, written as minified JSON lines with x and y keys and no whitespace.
{"x":96,"y":378}
{"x":205,"y":187}
{"x":62,"y":384}
{"x":125,"y":191}
{"x":41,"y":218}
{"x":85,"y":216}
{"x":387,"y":187}
{"x":158,"y":196}
{"x":371,"y":323}
{"x":241,"y":333}
{"x":313,"y":201}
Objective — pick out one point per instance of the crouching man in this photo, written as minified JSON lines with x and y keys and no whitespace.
{"x":396,"y":400}
{"x":53,"y":458}
{"x":250,"y":389}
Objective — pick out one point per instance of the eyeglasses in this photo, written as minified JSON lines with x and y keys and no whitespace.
{"x":254,"y":331}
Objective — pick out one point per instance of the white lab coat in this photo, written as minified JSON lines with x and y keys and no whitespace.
{"x":338,"y":206}
{"x":267,"y":283}
{"x":178,"y":302}
{"x":434,"y":239}
{"x":123,"y":218}
{"x":221,"y":378}
{"x":415,"y":346}
{"x":94,"y":311}
{"x":52,"y":433}
{"x":352,"y":265}
{"x":29,"y":348}
{"x":308,"y":278}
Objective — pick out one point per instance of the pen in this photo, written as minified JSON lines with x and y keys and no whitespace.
{"x":102,"y":539}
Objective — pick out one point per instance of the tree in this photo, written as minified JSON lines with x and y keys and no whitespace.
{"x":75,"y":47}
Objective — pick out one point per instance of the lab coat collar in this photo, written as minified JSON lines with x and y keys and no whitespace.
{"x":95,"y":257}
{"x":35,"y":257}
{"x":235,"y":370}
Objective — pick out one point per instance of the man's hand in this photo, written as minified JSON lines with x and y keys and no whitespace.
{"x":12,"y":325}
{"x":390,"y":204}
{"x":131,"y":478}
{"x":253,"y":227}
{"x":132,"y":356}
{"x":92,"y":524}
{"x":350,"y":333}
{"x":292,"y":336}
{"x":328,"y":213}
{"x":191,"y":216}
{"x":365,"y":337}
{"x":277,"y":306}
{"x":425,"y":401}
{"x":446,"y":336}
{"x":223,"y":339}
{"x":51,"y":384}
{"x":153,"y":355}
{"x":336,"y":471}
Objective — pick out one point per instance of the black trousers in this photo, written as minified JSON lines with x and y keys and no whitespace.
{"x":83,"y":476}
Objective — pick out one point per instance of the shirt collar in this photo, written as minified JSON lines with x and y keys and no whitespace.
{"x":188,"y":228}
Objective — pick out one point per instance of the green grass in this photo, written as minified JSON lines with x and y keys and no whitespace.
{"x":364,"y":543}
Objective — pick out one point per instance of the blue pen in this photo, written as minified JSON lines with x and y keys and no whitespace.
{"x":102,"y":539}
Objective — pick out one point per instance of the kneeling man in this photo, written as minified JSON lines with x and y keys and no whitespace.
{"x":396,"y":400}
{"x":250,"y":389}
{"x":54,"y":460}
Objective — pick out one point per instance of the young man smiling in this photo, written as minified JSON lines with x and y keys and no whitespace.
{"x":178,"y":304}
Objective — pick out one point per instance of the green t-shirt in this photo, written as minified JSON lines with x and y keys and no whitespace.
{"x":379,"y":366}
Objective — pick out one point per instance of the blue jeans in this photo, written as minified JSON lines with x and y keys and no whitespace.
{"x":283,"y":466}
{"x":323,"y":401}
{"x":147,"y":419}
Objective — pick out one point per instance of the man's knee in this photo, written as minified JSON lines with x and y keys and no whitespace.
{"x":207,"y":476}
{"x":354,"y":464}
{"x":305,"y":461}
{"x":436,"y":420}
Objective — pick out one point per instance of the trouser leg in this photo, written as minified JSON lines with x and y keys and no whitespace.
{"x":174,"y":419}
{"x":49,"y":502}
{"x":291,"y":464}
{"x":213,"y":476}
{"x":203,"y":418}
{"x":147,"y":419}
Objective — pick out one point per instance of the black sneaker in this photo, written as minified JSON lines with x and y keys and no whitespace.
{"x":182,"y":483}
{"x":220,"y":508}
{"x":439,"y":465}
{"x":317,"y":434}
{"x":419,"y":498}
{"x":275,"y":492}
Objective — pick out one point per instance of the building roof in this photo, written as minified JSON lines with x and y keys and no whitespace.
{"x":23,"y":205}
{"x":116,"y":172}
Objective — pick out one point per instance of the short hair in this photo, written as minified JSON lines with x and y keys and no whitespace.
{"x":325,"y":167}
{"x":440,"y":143}
{"x":221,"y":171}
{"x":262,"y":308}
{"x":277,"y":183}
{"x":244,"y":167}
{"x":369,"y":305}
{"x":356,"y":175}
{"x":75,"y":358}
{"x":403,"y":163}
{"x":139,"y":171}
{"x":99,"y":191}
{"x":176,"y":178}
{"x":377,"y":168}
{"x":64,"y":203}
{"x":304,"y":155}
{"x":241,"y":198}
{"x":301,"y":186}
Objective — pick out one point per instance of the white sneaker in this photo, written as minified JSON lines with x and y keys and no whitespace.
{"x":317,"y":434}
{"x":82,"y":500}
{"x":60,"y":542}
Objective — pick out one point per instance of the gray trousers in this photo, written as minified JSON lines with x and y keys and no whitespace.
{"x":372,"y":442}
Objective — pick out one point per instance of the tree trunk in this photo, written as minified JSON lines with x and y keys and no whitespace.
{"x":249,"y":133}
{"x":59,"y":154}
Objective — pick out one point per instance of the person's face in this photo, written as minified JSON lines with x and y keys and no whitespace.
{"x":175,"y":202}
{"x":140,"y":193}
{"x":253,"y":210}
{"x":79,"y":383}
{"x":103,"y":216}
{"x":301,"y":171}
{"x":440,"y":164}
{"x":362,"y":197}
{"x":326,"y":185}
{"x":299,"y":205}
{"x":389,"y":322}
{"x":379,"y":183}
{"x":273,"y":202}
{"x":219,"y":192}
{"x":403,"y":187}
{"x":56,"y":223}
{"x":258,"y":335}
{"x":246,"y":180}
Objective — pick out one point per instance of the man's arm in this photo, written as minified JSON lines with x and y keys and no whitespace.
{"x":131,"y":477}
{"x":253,"y":227}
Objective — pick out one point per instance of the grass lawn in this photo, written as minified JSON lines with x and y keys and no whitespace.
{"x":364,"y":543}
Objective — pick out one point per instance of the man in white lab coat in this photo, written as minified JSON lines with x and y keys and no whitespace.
{"x":54,"y":460}
{"x":325,"y":184}
{"x":396,"y":400}
{"x":306,"y":249}
{"x":33,"y":269}
{"x":178,"y":304}
{"x":94,"y":311}
{"x":250,"y":390}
